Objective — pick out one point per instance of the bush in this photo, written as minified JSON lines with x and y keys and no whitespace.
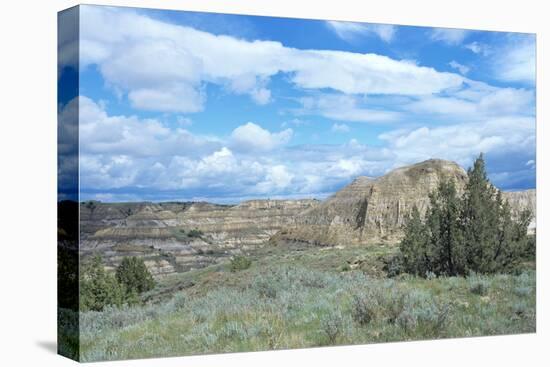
{"x":394,"y":305}
{"x":195,"y":233}
{"x":479,"y":286}
{"x":520,"y":309}
{"x":240,"y":262}
{"x":332,"y":326}
{"x":393,"y":265}
{"x":265,"y":289}
{"x":135,"y":276}
{"x":363,"y":309}
{"x":178,"y":302}
{"x":522,"y":291}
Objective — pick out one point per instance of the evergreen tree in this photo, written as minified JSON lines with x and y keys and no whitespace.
{"x":474,"y":233}
{"x":99,"y":288}
{"x":445,"y":233}
{"x":481,"y":214}
{"x":135,"y":276}
{"x":414,"y":247}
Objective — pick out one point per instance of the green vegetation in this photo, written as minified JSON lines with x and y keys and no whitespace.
{"x":281,"y":306}
{"x":133,"y":273}
{"x":195,"y":233}
{"x":472,"y":233}
{"x":99,"y":288}
{"x":240,"y":262}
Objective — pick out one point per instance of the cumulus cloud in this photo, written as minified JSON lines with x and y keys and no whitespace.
{"x":163,"y":67}
{"x":132,"y":136}
{"x":450,"y":36}
{"x":352,"y":31}
{"x":110,"y":157}
{"x":253,"y":137}
{"x":461,"y":142}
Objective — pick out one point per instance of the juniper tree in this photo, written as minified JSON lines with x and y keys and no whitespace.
{"x":481,"y":209}
{"x":414,"y":247}
{"x":474,"y":233}
{"x":133,"y":273}
{"x":99,"y":288}
{"x":445,"y":232}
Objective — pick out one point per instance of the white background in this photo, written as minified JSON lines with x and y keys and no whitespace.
{"x":28,"y":181}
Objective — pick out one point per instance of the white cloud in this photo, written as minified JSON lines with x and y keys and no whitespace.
{"x":450,"y":36}
{"x":179,"y":98}
{"x":250,"y":137}
{"x":346,"y":108}
{"x":462,"y":69}
{"x":477,"y":101}
{"x":461,"y":142}
{"x":340,"y":128}
{"x":516,"y":62}
{"x":277,"y":178}
{"x":132,"y":136}
{"x":351,"y":31}
{"x":478,"y":48}
{"x":184,"y":121}
{"x":128,"y":152}
{"x":164,"y":66}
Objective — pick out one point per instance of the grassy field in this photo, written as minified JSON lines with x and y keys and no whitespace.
{"x":305,"y":298}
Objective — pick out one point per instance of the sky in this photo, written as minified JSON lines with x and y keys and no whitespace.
{"x":200,"y":106}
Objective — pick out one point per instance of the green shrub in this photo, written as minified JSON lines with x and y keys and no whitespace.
{"x":520,"y":309}
{"x":178,"y":302}
{"x":479,"y":286}
{"x":265,"y":289}
{"x":345,"y":267}
{"x":363,"y":309}
{"x":195,"y":233}
{"x":99,"y":288}
{"x":394,"y":304}
{"x":135,"y":276}
{"x":240,"y":262}
{"x":393,"y":265}
{"x":522,"y":291}
{"x":332,"y":325}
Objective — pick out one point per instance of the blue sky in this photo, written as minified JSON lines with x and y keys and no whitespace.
{"x":197,"y":106}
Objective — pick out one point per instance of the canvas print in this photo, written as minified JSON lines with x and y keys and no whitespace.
{"x":234,"y":183}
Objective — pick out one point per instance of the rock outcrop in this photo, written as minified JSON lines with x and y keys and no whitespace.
{"x":520,"y":201}
{"x":370,"y":210}
{"x":175,"y":237}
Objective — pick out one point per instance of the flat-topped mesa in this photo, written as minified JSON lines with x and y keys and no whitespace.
{"x":373,"y":210}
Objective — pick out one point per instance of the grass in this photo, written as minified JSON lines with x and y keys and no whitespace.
{"x":303,"y":299}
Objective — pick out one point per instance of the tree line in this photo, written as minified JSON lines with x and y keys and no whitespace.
{"x":472,"y":232}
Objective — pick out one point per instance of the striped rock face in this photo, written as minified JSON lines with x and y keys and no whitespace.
{"x":374,"y":210}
